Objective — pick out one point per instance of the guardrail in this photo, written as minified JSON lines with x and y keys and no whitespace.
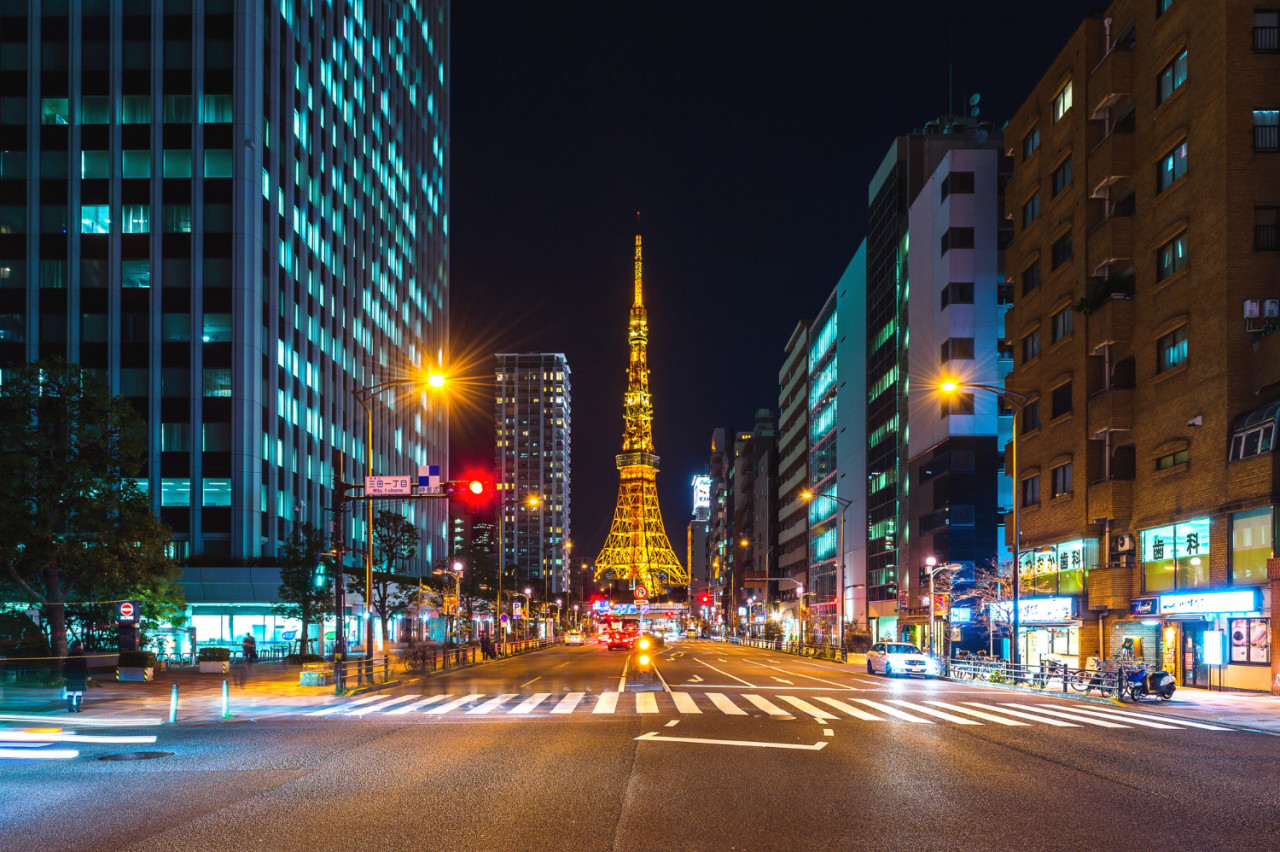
{"x":1045,"y":676}
{"x":817,"y":652}
{"x":418,"y":661}
{"x":353,"y":674}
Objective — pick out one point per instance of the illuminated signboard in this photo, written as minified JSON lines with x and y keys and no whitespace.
{"x":1036,"y":610}
{"x":1185,"y":540}
{"x":1196,"y":603}
{"x":961,"y":614}
{"x":701,"y":492}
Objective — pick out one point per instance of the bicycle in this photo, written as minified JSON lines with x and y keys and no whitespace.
{"x":415,"y":660}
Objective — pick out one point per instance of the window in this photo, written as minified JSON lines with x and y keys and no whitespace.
{"x":175,"y":328}
{"x":95,"y":109}
{"x":217,"y":437}
{"x":217,"y":328}
{"x":135,"y":273}
{"x":1061,"y":250}
{"x":1162,"y":6}
{"x":95,"y":219}
{"x":1062,"y":323}
{"x":217,"y":492}
{"x":1171,"y":257}
{"x":137,"y":219}
{"x":177,"y":109}
{"x":177,"y":218}
{"x":1062,"y":177}
{"x":957,"y":403}
{"x":55,"y":111}
{"x":1266,"y":130}
{"x":175,"y":437}
{"x":1031,"y":278}
{"x":217,"y":163}
{"x":1031,"y":491}
{"x":217,"y":381}
{"x":1173,"y":165}
{"x":216,"y":109}
{"x":1062,"y":102}
{"x":136,"y":109}
{"x":1176,"y":557}
{"x":957,"y":349}
{"x":1266,"y":31}
{"x":13,"y":328}
{"x":1061,"y":480}
{"x":95,"y":165}
{"x":13,"y":164}
{"x":957,"y":238}
{"x":1031,"y":142}
{"x":1172,"y":349}
{"x":1172,"y":460}
{"x":177,"y":164}
{"x":1004,"y":294}
{"x":175,"y":492}
{"x":1172,"y":77}
{"x":1031,"y":346}
{"x":1031,"y":210}
{"x":957,"y":293}
{"x":1061,"y":397}
{"x":1252,"y":540}
{"x":137,"y":164}
{"x":957,"y":182}
{"x":1031,"y":416}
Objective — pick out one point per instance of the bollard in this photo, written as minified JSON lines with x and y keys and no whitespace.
{"x":173,"y":705}
{"x":226,"y":700}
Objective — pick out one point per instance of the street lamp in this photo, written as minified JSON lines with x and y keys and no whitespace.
{"x":1017,"y":401}
{"x":456,"y":575}
{"x":528,"y":604}
{"x":364,"y":396}
{"x":844,"y":505}
{"x":932,"y":564}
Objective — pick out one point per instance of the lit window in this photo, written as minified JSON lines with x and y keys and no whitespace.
{"x":1173,"y":165}
{"x":136,"y":109}
{"x":137,"y":219}
{"x":135,"y":273}
{"x":177,"y":164}
{"x":217,"y":164}
{"x":95,"y":219}
{"x":1171,"y":257}
{"x":1172,"y":77}
{"x":1062,"y":102}
{"x":217,"y":492}
{"x":217,"y":328}
{"x":137,"y":164}
{"x":175,"y":492}
{"x":217,"y":382}
{"x":1266,"y":130}
{"x":216,"y":109}
{"x":95,"y":165}
{"x":1172,"y":460}
{"x":55,"y":111}
{"x":1172,"y":349}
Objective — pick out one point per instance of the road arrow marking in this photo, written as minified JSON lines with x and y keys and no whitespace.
{"x":783,"y":680}
{"x":653,"y":736}
{"x":695,"y":679}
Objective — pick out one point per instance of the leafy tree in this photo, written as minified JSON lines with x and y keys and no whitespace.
{"x":75,"y":519}
{"x":990,"y":586}
{"x":300,"y":596}
{"x":395,"y":541}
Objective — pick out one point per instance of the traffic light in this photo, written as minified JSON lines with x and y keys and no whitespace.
{"x":706,"y":599}
{"x":472,"y":490}
{"x":319,"y":576}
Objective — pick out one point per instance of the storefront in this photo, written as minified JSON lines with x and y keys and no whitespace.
{"x":1048,"y":628}
{"x":1217,"y":638}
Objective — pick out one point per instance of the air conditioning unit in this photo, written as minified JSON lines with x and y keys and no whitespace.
{"x":1122,"y":543}
{"x":1252,"y":308}
{"x":1271,"y":308}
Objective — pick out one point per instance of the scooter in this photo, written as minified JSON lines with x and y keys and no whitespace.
{"x":1143,"y":683}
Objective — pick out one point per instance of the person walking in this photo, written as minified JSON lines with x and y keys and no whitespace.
{"x":75,"y":671}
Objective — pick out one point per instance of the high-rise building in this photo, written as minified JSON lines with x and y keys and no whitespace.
{"x":792,"y":560}
{"x":234,"y":216}
{"x":824,"y":510}
{"x":696,"y":538}
{"x":755,"y":499}
{"x":1144,"y":334}
{"x":532,"y":417}
{"x":851,"y":434}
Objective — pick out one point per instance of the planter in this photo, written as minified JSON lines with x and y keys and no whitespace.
{"x":315,"y":678}
{"x":213,"y":667}
{"x":135,"y":674}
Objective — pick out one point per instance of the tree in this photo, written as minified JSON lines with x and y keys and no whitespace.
{"x":300,"y":596}
{"x":75,"y":518}
{"x":990,"y":596}
{"x":395,"y":540}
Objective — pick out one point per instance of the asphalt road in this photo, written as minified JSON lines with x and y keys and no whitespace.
{"x":813,"y":756}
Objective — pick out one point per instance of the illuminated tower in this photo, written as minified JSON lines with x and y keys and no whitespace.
{"x":637,"y":548}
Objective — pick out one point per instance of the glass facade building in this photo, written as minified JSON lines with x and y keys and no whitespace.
{"x":234,"y":213}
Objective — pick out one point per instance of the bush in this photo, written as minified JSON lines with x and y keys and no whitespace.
{"x":137,"y":660}
{"x":213,"y":655}
{"x":299,"y":659}
{"x":857,"y":640}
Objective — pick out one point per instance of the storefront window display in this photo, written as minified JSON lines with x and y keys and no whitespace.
{"x":1250,"y":640}
{"x":1252,"y":537}
{"x":1058,"y":569}
{"x":1176,"y":556}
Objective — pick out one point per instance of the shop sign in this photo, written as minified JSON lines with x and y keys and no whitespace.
{"x":1143,"y":606}
{"x":961,"y":614}
{"x":1187,"y":539}
{"x":1198,"y":603}
{"x":941,"y":604}
{"x":1036,"y":610}
{"x":1215,"y":647}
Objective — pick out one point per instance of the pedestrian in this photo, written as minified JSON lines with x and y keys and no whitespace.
{"x":486,"y":647}
{"x":75,"y":670}
{"x":250,"y":647}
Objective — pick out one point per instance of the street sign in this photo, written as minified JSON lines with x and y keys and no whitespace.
{"x":516,"y":610}
{"x":386,"y":486}
{"x":129,"y":612}
{"x":642,"y":593}
{"x":644,"y":609}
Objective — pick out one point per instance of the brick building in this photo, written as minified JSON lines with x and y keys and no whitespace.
{"x":1144,"y":194}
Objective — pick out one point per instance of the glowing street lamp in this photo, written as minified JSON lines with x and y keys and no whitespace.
{"x":844,"y":505}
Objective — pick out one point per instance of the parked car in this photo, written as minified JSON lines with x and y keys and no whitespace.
{"x":890,"y":658}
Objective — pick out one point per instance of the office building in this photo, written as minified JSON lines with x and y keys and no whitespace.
{"x":793,"y":478}
{"x":532,"y":464}
{"x":235,"y":217}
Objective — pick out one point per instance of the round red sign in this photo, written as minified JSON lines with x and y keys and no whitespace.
{"x":126,"y":610}
{"x":641,"y":593}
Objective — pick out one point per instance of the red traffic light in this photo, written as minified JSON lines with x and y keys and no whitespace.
{"x":476,"y":487}
{"x":706,"y":599}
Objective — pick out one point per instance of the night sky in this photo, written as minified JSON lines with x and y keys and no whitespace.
{"x":746,"y":133}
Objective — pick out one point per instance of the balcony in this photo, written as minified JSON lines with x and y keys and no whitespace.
{"x":1109,"y":243}
{"x":1111,"y":588}
{"x":1111,"y":498}
{"x":1110,"y":82}
{"x":1111,"y":321}
{"x":1110,"y":162}
{"x":1111,"y":411}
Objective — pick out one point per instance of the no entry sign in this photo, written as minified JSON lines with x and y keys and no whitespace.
{"x":129,"y":612}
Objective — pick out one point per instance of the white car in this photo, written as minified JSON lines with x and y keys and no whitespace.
{"x":890,"y":658}
{"x":573,"y":637}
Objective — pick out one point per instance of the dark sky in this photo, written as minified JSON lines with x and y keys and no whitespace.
{"x":746,"y":133}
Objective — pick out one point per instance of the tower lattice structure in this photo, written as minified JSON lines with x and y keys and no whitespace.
{"x":637,"y":548}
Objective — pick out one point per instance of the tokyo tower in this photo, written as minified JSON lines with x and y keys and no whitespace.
{"x":637,"y":548}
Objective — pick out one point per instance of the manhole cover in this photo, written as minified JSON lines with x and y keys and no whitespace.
{"x":136,"y":755}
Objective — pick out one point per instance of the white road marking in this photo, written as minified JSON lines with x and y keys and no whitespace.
{"x":526,"y":683}
{"x":672,"y":723}
{"x":834,"y":683}
{"x":338,"y":708}
{"x":892,"y":711}
{"x":726,"y":674}
{"x":409,"y":708}
{"x":695,"y":679}
{"x":608,"y":702}
{"x":783,"y":680}
{"x":999,"y":720}
{"x":646,"y":702}
{"x":1101,"y":723}
{"x":1013,"y":710}
{"x":374,"y":708}
{"x":569,"y":702}
{"x":929,"y":711}
{"x":850,"y":709}
{"x":805,"y":707}
{"x":684,"y":702}
{"x":528,"y":704}
{"x":1129,"y":718}
{"x":1125,"y":714}
{"x":724,"y":705}
{"x":654,"y":737}
{"x":766,"y":705}
{"x":455,"y":703}
{"x":491,"y":704}
{"x":827,"y":732}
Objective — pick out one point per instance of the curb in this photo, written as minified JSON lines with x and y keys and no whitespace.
{"x":361,"y":690}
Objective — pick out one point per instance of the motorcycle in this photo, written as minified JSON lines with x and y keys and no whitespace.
{"x":1143,"y":683}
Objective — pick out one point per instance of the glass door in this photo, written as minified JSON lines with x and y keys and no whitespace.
{"x":1195,"y":672}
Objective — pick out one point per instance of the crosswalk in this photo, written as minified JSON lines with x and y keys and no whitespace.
{"x":819,"y":708}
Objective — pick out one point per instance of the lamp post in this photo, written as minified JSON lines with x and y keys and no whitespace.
{"x":844,"y":505}
{"x":932,"y":564}
{"x":1017,"y":401}
{"x":456,"y":575}
{"x":364,"y":396}
{"x":528,"y":607}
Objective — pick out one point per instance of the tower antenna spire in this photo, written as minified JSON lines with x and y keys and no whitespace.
{"x":639,"y":282}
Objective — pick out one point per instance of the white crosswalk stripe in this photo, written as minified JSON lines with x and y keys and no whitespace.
{"x":999,"y":720}
{"x":805,"y":707}
{"x":569,"y":702}
{"x":454,"y":704}
{"x":850,"y":709}
{"x":724,"y":705}
{"x":341,"y":707}
{"x":685,"y":703}
{"x":608,"y":702}
{"x":929,"y":711}
{"x":528,"y":705}
{"x":766,"y":705}
{"x":379,"y":707}
{"x":491,"y":705}
{"x":646,"y":703}
{"x":1130,"y":719}
{"x":409,"y":708}
{"x":1121,"y":715}
{"x":1076,"y":717}
{"x":1009,"y":710}
{"x":892,"y":711}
